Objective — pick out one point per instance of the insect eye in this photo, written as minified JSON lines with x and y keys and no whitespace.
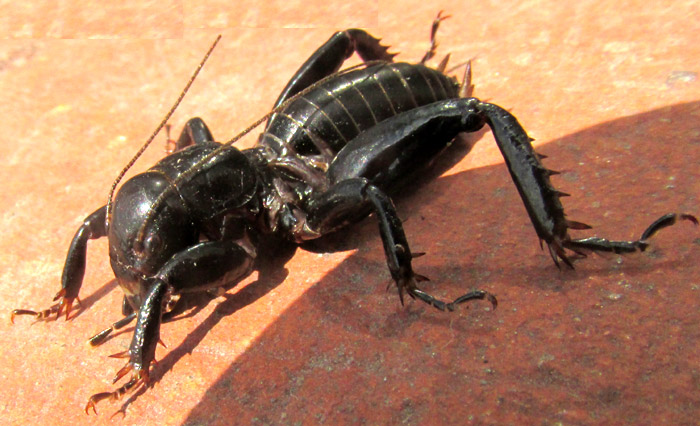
{"x":153,"y":242}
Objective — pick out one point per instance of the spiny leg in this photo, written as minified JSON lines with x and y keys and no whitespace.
{"x":596,"y":244}
{"x":472,"y":295}
{"x":100,"y":337}
{"x":542,"y":200}
{"x":433,"y":40}
{"x":399,"y":256}
{"x":355,"y":197}
{"x":324,"y":62}
{"x":209,"y":264}
{"x":47,"y":313}
{"x":442,"y":121}
{"x":93,"y":227}
{"x":666,"y":221}
{"x":194,"y":132}
{"x":138,"y":378}
{"x":141,"y":353}
{"x":328,"y":59}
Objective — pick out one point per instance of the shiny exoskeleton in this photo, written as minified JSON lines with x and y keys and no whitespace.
{"x":335,"y":146}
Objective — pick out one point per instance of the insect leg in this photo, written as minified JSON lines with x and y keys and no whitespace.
{"x":100,"y":337}
{"x":328,"y":59}
{"x":93,"y":227}
{"x":209,"y":264}
{"x":142,"y":351}
{"x":542,"y":200}
{"x":604,"y":245}
{"x":395,"y":147}
{"x":194,"y":132}
{"x":356,"y":197}
{"x":433,"y":40}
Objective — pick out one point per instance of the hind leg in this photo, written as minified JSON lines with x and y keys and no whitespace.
{"x":580,"y":246}
{"x":433,"y":42}
{"x":419,"y":134}
{"x":328,"y":59}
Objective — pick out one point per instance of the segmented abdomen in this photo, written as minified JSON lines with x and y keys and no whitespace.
{"x":325,"y":119}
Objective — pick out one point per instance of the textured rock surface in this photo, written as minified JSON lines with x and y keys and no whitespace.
{"x":611,"y":93}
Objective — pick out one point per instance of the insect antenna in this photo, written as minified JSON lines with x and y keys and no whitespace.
{"x":197,"y":166}
{"x":108,"y":216}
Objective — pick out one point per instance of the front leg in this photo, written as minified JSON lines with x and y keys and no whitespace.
{"x":142,"y":351}
{"x":93,"y":227}
{"x":353,"y":198}
{"x":207,"y":265}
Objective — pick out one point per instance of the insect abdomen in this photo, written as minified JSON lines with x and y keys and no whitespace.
{"x":325,"y":119}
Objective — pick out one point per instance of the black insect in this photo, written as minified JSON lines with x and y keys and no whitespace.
{"x":334,"y":145}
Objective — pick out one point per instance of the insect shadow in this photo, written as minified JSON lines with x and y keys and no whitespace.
{"x":476,"y":234}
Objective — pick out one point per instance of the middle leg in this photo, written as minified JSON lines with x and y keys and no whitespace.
{"x":354,"y":198}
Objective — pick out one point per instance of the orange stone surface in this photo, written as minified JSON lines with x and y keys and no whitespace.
{"x":610,"y":92}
